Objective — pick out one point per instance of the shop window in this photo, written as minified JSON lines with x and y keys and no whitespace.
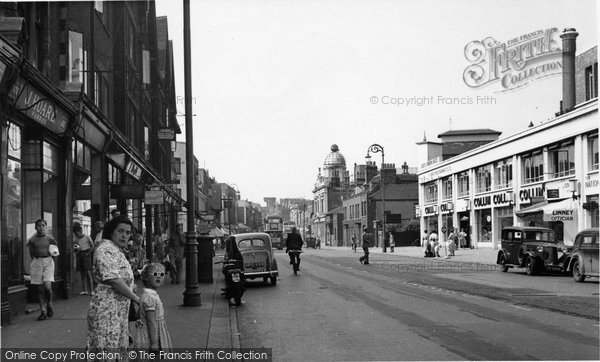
{"x":431,"y":192}
{"x":463,"y":184}
{"x":146,"y":143}
{"x":483,"y":178}
{"x":114,"y":175}
{"x":592,"y":208}
{"x":81,"y":155}
{"x":447,"y":188}
{"x":533,"y":167}
{"x":14,"y":141}
{"x":561,"y":159}
{"x":503,"y":174}
{"x":593,"y":152}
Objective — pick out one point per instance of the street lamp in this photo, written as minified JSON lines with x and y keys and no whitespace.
{"x":375,"y":148}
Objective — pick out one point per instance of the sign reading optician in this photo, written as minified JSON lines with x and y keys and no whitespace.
{"x":493,"y":200}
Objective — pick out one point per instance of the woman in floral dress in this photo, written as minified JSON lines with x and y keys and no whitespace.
{"x":108,"y":323}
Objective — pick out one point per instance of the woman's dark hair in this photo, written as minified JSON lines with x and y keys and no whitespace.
{"x":111,"y":225}
{"x":232,"y":250}
{"x":77,"y":227}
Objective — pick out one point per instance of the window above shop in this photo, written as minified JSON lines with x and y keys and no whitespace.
{"x":431,"y":192}
{"x":483,"y":177}
{"x":463,"y":184}
{"x":561,"y":160}
{"x":593,"y":152}
{"x":533,"y":167}
{"x":447,"y":188}
{"x":503,"y":174}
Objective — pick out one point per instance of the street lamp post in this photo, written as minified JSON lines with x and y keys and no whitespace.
{"x":191,"y":296}
{"x":375,"y":148}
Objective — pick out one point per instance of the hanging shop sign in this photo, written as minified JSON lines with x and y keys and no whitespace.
{"x":527,"y":193}
{"x":127,"y":191}
{"x":133,"y":169}
{"x":430,"y":210}
{"x":591,"y":185}
{"x":154,"y":197}
{"x":38,"y":107}
{"x":462,"y":205}
{"x":446,"y":208}
{"x":166,"y":134}
{"x":493,"y":200}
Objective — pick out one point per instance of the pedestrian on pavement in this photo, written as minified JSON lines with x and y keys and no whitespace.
{"x":294,"y":242}
{"x":151,"y":332}
{"x":452,"y":239}
{"x":83,"y":246}
{"x":433,"y":240}
{"x":107,"y":319}
{"x":392,"y":242}
{"x":462,"y":238}
{"x":427,"y":246}
{"x":98,"y":226}
{"x":42,"y":267}
{"x":159,"y":246}
{"x":114,"y":213}
{"x":354,"y":243}
{"x":176,"y":249}
{"x":366,"y":242}
{"x":137,"y":254}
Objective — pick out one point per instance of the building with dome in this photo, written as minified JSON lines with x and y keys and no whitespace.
{"x":331,"y":185}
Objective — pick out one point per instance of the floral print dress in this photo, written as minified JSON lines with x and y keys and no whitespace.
{"x":150,"y":301}
{"x":108,"y":323}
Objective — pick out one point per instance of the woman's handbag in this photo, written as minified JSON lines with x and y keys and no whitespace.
{"x":140,"y":336}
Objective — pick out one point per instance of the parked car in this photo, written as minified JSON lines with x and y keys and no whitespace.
{"x":584,"y":256}
{"x":533,"y":248}
{"x":259,"y":259}
{"x":311,"y":242}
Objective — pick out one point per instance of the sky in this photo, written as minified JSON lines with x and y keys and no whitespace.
{"x":276,"y":83}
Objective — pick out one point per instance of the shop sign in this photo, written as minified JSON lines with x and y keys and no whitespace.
{"x":446,"y":207}
{"x":430,"y":210}
{"x":166,"y":134}
{"x":133,"y":169}
{"x":558,"y":190}
{"x":154,"y":197}
{"x":39,"y":107}
{"x":462,"y":205}
{"x":591,"y":186}
{"x":527,"y":193}
{"x":493,"y":200}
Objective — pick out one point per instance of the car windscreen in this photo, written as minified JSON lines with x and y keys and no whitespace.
{"x":251,"y":244}
{"x":539,"y":235}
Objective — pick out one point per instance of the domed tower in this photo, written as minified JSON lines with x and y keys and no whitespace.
{"x":334,"y":167}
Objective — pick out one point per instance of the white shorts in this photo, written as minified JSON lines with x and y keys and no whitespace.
{"x":42,"y":270}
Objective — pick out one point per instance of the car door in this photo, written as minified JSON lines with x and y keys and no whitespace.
{"x":586,"y":251}
{"x":514,"y":241}
{"x":594,"y":255}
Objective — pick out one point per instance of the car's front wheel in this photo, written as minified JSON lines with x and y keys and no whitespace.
{"x":503,"y":265}
{"x":530,"y":266}
{"x":578,"y":274}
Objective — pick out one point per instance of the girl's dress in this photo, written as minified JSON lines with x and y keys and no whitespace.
{"x":150,"y":301}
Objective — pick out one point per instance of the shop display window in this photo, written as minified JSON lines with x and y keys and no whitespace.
{"x":561,"y":159}
{"x":533,"y":167}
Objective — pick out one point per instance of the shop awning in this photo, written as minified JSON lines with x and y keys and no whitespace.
{"x":564,"y":210}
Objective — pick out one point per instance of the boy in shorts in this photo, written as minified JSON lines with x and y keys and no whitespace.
{"x":42,"y":267}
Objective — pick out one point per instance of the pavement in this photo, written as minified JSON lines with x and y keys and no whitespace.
{"x":213,"y":324}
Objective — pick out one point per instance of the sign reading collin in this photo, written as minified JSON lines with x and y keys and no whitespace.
{"x":513,"y":63}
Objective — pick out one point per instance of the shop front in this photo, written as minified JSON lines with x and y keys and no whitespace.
{"x":591,"y":188}
{"x":430,"y":219}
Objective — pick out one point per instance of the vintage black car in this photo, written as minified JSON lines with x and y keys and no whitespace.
{"x":584,"y":256}
{"x":311,"y":242}
{"x":259,"y":258}
{"x":533,"y":248}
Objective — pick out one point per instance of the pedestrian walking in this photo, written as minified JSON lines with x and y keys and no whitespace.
{"x":433,"y":240}
{"x":354,"y":243}
{"x":452,"y":240}
{"x":108,"y":312}
{"x":151,"y":331}
{"x":392,"y":243}
{"x":83,"y":246}
{"x":137,"y":254}
{"x":366,"y":242}
{"x":159,"y":246}
{"x":42,"y":267}
{"x":462,"y":238}
{"x":176,"y":248}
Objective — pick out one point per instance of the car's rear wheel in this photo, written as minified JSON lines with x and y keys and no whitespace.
{"x":578,"y":274}
{"x":530,"y":266}
{"x":273,"y":281}
{"x":503,"y":265}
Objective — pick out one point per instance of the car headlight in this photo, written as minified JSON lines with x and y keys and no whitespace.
{"x":540,"y":249}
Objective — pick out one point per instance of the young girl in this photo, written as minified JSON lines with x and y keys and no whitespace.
{"x":152,"y":332}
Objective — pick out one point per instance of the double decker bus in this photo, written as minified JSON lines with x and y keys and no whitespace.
{"x":274,"y":227}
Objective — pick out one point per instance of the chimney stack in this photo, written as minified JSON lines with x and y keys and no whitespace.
{"x":568,"y":58}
